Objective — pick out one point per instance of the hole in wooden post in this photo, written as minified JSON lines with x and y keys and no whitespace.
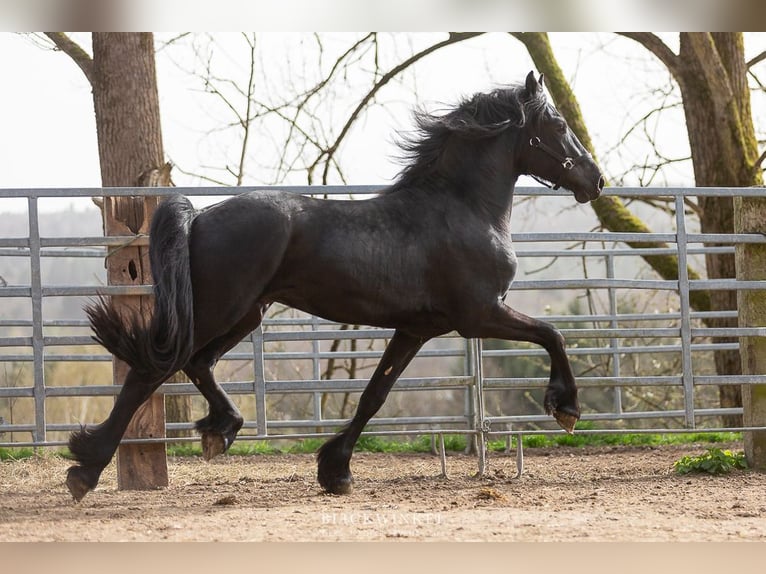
{"x":132,"y":271}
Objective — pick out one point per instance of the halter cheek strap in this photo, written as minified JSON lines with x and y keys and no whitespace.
{"x":567,"y":163}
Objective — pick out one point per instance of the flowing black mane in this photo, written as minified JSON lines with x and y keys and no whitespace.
{"x":482,"y":116}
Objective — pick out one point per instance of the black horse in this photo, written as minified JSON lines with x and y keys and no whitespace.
{"x":431,"y":254}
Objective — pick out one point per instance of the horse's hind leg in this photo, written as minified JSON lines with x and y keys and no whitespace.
{"x":334,"y":474}
{"x":94,"y":446}
{"x":223,"y":421}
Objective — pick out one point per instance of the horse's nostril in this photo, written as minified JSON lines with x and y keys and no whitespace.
{"x":600,"y":183}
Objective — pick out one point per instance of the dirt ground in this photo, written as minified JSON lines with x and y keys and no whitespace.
{"x":598,"y":494}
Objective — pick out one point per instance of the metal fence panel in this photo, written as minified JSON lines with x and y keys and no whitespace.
{"x":284,"y":361}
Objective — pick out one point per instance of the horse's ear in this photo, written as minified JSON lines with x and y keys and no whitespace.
{"x":540,"y":81}
{"x":531,"y":84}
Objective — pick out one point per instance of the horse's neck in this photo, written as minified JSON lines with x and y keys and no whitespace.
{"x":496,"y":182}
{"x":496,"y":201}
{"x":503,"y":215}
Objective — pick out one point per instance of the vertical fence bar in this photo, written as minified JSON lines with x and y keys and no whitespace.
{"x":469,"y":410}
{"x":316,"y":372}
{"x":685,"y":310}
{"x":259,"y":381}
{"x":482,"y":424}
{"x":614,"y":342}
{"x":38,"y":345}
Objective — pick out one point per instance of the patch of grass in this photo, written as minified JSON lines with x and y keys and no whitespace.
{"x":21,"y":453}
{"x":714,"y":461}
{"x":305,"y":446}
{"x":422,"y":444}
{"x":382,"y":444}
{"x":184,"y":449}
{"x":455,"y":442}
{"x":16,"y":453}
{"x":378,"y":444}
{"x":244,"y":448}
{"x":623,"y":439}
{"x":309,"y":446}
{"x":458,"y":443}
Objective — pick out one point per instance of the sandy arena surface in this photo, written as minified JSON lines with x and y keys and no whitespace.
{"x":596,"y":494}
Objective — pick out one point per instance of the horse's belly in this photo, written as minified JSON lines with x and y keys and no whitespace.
{"x":357,"y":301}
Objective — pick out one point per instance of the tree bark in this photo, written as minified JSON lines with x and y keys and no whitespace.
{"x":713,"y":82}
{"x":750,"y":215}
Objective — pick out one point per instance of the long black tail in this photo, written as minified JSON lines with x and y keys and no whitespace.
{"x":166,"y":344}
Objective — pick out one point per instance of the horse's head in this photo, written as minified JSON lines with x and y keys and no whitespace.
{"x":553,"y":153}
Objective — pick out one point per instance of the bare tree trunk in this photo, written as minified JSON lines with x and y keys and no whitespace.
{"x":130,"y":147}
{"x":713,"y":83}
{"x":750,"y":215}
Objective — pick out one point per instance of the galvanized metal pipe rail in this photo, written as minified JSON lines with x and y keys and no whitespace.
{"x":32,"y":342}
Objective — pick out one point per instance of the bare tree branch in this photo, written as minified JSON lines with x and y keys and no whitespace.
{"x":693,"y":205}
{"x":308,"y":95}
{"x":656,"y":46}
{"x":391,"y":74}
{"x":759,"y":58}
{"x":74,"y":51}
{"x":760,"y":160}
{"x":761,"y":87}
{"x":209,"y":179}
{"x":173,"y":40}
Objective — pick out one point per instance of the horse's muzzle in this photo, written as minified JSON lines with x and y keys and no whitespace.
{"x":586,"y":195}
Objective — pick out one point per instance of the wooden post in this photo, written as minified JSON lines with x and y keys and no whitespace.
{"x":750,"y":217}
{"x":139,"y":466}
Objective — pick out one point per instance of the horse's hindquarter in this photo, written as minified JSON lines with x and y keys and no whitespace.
{"x":235,"y":248}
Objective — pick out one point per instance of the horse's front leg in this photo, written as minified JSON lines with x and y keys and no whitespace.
{"x":334,"y":474}
{"x":502,"y":322}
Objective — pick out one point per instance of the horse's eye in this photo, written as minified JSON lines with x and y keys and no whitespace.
{"x":561,"y":127}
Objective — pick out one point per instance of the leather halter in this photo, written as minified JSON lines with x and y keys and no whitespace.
{"x":567,"y":163}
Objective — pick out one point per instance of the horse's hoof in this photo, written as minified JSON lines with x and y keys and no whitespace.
{"x":336,"y":483}
{"x":566,"y":421}
{"x":213,"y":445}
{"x":76,"y":483}
{"x":340,"y":486}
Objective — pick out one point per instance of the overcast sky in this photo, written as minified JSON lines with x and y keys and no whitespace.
{"x":49,"y":136}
